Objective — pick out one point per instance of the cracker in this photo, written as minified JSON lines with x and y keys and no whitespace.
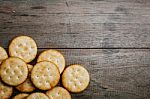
{"x":75,"y":78}
{"x":21,"y":96}
{"x":54,"y":56}
{"x":45,"y":75}
{"x":58,"y":93}
{"x":3,"y":54}
{"x":37,"y":95}
{"x":23,"y":47}
{"x":5,"y":91}
{"x":13,"y":71}
{"x":27,"y":86}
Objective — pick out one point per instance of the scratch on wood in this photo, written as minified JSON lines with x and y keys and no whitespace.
{"x":38,"y":7}
{"x":110,"y":26}
{"x":67,"y":4}
{"x":122,"y":9}
{"x":24,"y":14}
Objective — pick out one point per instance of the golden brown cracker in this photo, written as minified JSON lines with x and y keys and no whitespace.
{"x":27,"y":86}
{"x":23,"y":47}
{"x":13,"y":71}
{"x":58,"y":93}
{"x":37,"y":95}
{"x":45,"y":75}
{"x":3,"y":54}
{"x":53,"y":56}
{"x":75,"y":78}
{"x":5,"y":91}
{"x":21,"y":96}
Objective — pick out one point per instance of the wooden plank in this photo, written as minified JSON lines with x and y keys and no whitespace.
{"x":114,"y":73}
{"x":77,"y":23}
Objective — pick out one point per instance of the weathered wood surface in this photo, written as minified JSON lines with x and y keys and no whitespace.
{"x":114,"y":73}
{"x":77,"y":23}
{"x":111,"y":38}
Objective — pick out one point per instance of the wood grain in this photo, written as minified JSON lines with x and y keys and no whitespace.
{"x":78,"y":23}
{"x":114,"y":73}
{"x":110,"y":38}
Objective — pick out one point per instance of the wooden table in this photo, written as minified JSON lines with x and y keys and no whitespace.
{"x":111,"y":38}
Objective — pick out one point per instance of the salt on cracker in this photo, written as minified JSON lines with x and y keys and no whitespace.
{"x":45,"y":75}
{"x":5,"y":91}
{"x":13,"y":71}
{"x":37,"y":95}
{"x":21,"y":96}
{"x":23,"y":47}
{"x":3,"y":54}
{"x":27,"y":86}
{"x":58,"y":93}
{"x":54,"y":56}
{"x":75,"y":78}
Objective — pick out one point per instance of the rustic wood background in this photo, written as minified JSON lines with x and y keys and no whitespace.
{"x":111,"y":38}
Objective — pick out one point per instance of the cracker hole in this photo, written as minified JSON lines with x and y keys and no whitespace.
{"x":51,"y":97}
{"x":20,"y":45}
{"x":7,"y":70}
{"x":32,"y":47}
{"x":37,"y":77}
{"x":58,"y":94}
{"x":48,"y":69}
{"x":78,"y":70}
{"x":76,"y":78}
{"x":79,"y":83}
{"x":28,"y":82}
{"x":57,"y":61}
{"x":47,"y":83}
{"x":15,"y":71}
{"x":15,"y":52}
{"x":18,"y":77}
{"x":11,"y":77}
{"x":49,"y":58}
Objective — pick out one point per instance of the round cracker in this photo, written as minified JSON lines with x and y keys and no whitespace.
{"x":13,"y":71}
{"x":45,"y":75}
{"x":5,"y":91}
{"x":21,"y":96}
{"x":58,"y":93}
{"x":37,"y":95}
{"x":53,"y":56}
{"x":3,"y":54}
{"x":75,"y":78}
{"x":27,"y":86}
{"x":23,"y":47}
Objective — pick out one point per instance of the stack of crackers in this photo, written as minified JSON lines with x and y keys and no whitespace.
{"x":16,"y":72}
